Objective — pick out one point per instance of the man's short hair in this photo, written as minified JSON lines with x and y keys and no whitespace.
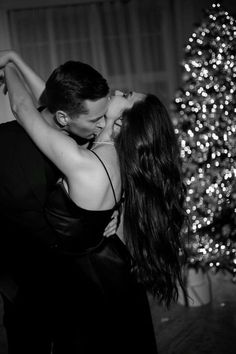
{"x":70,"y":84}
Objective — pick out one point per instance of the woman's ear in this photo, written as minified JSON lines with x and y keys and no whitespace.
{"x":62,"y":118}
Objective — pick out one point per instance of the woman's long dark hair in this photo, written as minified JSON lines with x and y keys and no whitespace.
{"x":154,"y":196}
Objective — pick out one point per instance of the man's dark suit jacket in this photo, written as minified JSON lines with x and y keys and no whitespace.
{"x":26,"y":177}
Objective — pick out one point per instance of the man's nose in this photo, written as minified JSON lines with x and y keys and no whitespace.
{"x":101,"y":123}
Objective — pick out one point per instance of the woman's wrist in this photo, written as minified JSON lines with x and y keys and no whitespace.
{"x":15,"y":59}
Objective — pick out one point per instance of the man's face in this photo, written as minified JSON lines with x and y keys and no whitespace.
{"x":86,"y":125}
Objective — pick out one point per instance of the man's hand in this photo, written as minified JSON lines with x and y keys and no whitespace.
{"x":117,"y":105}
{"x":112,"y":226}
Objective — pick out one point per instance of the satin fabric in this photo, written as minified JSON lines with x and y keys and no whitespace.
{"x":98,"y":304}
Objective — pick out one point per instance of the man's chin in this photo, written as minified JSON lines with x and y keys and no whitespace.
{"x":91,"y":136}
{"x":81,"y":140}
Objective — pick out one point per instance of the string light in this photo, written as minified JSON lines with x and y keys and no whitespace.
{"x":206,"y":127}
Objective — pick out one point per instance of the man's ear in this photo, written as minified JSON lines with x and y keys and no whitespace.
{"x":62,"y":118}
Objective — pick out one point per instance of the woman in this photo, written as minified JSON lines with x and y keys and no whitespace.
{"x":103,"y":281}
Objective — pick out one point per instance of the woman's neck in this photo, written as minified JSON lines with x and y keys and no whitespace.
{"x":105,"y":137}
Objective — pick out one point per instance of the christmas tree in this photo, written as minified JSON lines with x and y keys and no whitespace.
{"x":205,"y":122}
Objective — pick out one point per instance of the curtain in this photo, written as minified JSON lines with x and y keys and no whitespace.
{"x":5,"y":111}
{"x":124,"y":40}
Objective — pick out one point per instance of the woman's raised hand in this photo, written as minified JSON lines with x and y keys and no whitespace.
{"x":6,"y":56}
{"x":3,"y":82}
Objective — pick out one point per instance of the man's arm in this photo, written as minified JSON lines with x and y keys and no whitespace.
{"x":33,"y":81}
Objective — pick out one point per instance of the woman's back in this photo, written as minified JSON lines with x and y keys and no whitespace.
{"x":80,"y":222}
{"x":96,"y":184}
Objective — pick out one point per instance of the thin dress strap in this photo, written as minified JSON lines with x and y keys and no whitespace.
{"x":107,"y":175}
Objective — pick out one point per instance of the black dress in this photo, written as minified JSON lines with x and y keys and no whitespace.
{"x":98,"y":305}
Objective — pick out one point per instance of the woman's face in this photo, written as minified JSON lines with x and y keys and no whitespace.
{"x":119,"y":102}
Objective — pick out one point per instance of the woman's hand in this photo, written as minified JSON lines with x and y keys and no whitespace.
{"x":31,"y":78}
{"x":3,"y":82}
{"x":7,"y":56}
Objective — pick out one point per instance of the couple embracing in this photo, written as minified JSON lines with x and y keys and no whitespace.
{"x":91,"y":289}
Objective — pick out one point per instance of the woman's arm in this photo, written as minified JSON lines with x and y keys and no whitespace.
{"x":34,"y":82}
{"x":57,"y":146}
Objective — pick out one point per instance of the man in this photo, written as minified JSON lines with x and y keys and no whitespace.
{"x":25,"y":179}
{"x":74,"y":100}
